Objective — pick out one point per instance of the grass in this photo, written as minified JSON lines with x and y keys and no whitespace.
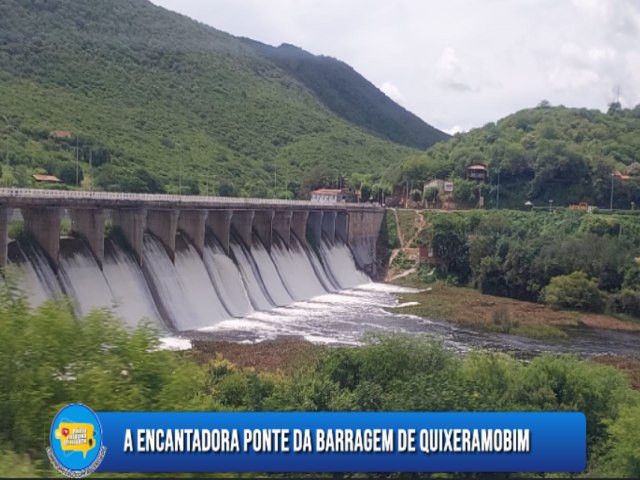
{"x":470,"y":308}
{"x":407,"y":224}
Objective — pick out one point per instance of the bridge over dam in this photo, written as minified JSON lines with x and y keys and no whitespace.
{"x":165,"y":216}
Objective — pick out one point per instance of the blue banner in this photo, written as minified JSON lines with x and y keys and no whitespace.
{"x":342,"y":442}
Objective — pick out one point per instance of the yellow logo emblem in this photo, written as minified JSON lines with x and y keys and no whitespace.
{"x":75,"y":437}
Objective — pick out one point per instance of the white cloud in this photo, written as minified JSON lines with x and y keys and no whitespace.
{"x":456,"y":129}
{"x":457,"y":62}
{"x":393,"y":92}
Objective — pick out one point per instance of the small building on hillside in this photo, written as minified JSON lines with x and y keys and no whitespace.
{"x":60,"y":134}
{"x":477,"y":171}
{"x":439,"y":184}
{"x":621,"y":176}
{"x":329,"y":195}
{"x":46,"y":178}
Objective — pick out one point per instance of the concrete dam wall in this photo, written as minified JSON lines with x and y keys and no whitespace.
{"x":185,"y":262}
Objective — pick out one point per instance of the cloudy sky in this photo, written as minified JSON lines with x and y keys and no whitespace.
{"x":457,"y":64}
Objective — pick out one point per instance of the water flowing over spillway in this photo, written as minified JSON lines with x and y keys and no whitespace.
{"x":192,"y":291}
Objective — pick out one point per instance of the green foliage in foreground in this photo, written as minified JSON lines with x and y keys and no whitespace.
{"x":50,"y":358}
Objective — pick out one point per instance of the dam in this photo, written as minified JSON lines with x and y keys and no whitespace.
{"x":184,"y":262}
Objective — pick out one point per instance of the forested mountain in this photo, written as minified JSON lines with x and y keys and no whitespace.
{"x":351,"y":96}
{"x":153,"y":100}
{"x":566,"y":155}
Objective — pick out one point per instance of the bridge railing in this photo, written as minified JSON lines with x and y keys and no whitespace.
{"x":26,"y":193}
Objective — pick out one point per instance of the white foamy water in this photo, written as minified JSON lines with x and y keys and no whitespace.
{"x":339,"y":261}
{"x":38,"y":281}
{"x":82,"y":279}
{"x":341,"y":318}
{"x":297,"y":272}
{"x":269,"y":274}
{"x":251,"y":277}
{"x":227,"y":281}
{"x":183,"y":290}
{"x":128,"y":287}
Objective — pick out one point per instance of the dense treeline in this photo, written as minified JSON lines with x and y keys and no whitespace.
{"x":566,"y":155}
{"x":570,"y":259}
{"x":157,"y":102}
{"x":50,"y":358}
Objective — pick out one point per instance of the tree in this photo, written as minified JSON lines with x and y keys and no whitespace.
{"x":431,"y":195}
{"x":67,"y":173}
{"x":574,"y":291}
{"x":614,"y":107}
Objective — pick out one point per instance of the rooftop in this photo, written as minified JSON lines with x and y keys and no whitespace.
{"x":46,"y":178}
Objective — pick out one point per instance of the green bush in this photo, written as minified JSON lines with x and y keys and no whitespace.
{"x":426,"y":273}
{"x":402,"y":262}
{"x":574,"y":291}
{"x":628,"y":302}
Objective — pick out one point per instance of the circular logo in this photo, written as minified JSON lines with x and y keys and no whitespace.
{"x":75,"y":441}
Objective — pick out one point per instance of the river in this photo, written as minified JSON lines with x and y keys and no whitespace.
{"x":345,"y":318}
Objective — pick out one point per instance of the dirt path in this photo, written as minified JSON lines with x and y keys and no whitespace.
{"x":419,"y":224}
{"x":412,"y":253}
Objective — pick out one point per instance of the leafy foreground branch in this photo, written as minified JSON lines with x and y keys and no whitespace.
{"x":49,"y":358}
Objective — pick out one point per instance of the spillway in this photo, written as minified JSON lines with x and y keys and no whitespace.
{"x":192,"y":291}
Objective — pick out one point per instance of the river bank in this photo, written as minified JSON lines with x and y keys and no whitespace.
{"x":470,"y":308}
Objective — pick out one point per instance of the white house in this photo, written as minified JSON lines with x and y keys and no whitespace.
{"x":329,"y":195}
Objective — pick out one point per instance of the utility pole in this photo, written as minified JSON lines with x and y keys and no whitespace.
{"x":498,"y":192}
{"x":611,"y":197}
{"x":406,"y":198}
{"x":77,"y":164}
{"x":208,"y":175}
{"x":180,"y":180}
{"x":91,"y":169}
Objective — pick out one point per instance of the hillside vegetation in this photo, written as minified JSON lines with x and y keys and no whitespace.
{"x":567,"y":259}
{"x":154,"y":101}
{"x":566,"y":155}
{"x":351,"y":96}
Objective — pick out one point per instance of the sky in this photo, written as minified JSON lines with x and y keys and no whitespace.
{"x":457,"y":64}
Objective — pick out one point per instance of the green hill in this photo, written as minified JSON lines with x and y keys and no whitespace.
{"x":546,"y":153}
{"x":351,"y":96}
{"x":155,"y":100}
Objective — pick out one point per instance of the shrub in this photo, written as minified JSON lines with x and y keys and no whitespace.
{"x":627,"y":301}
{"x":402,"y":262}
{"x":574,"y":291}
{"x":503,"y":321}
{"x":426,"y":274}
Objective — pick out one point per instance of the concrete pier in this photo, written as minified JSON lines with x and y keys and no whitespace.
{"x":242,"y":222}
{"x":314,"y":227}
{"x":4,"y":235}
{"x":329,"y":226}
{"x":44,"y":224}
{"x":282,"y":225}
{"x":299,"y":225}
{"x":356,"y":224}
{"x":164,"y":225}
{"x":342,"y":227}
{"x":362,"y":238}
{"x":88,"y":223}
{"x":219,"y":222}
{"x":193,"y":224}
{"x":132,"y":223}
{"x":262,"y":222}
